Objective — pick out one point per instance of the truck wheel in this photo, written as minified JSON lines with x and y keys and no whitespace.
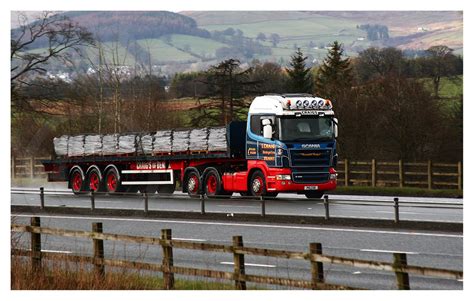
{"x":213,"y":184}
{"x":166,"y":189}
{"x":95,"y":184}
{"x":76,"y":182}
{"x":112,"y":182}
{"x":193,"y":183}
{"x":314,"y":194}
{"x":257,"y":184}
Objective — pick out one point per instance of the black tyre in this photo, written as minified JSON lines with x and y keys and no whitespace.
{"x":193,"y":183}
{"x":77,"y":183}
{"x":213,"y":183}
{"x":257,"y":184}
{"x":112,"y":182}
{"x":94,"y":182}
{"x":314,"y":194}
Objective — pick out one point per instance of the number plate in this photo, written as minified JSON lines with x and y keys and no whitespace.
{"x":311,"y":188}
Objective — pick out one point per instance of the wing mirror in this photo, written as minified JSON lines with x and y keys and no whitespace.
{"x":267,"y":128}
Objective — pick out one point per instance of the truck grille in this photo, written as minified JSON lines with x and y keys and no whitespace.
{"x":310,"y":165}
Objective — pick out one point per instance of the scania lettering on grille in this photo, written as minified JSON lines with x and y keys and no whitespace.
{"x":310,"y":146}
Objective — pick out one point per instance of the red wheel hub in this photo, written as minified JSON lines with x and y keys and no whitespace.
{"x":111,"y":182}
{"x":257,"y":185}
{"x":211,"y":184}
{"x":193,"y":184}
{"x":94,"y":182}
{"x":76,"y":181}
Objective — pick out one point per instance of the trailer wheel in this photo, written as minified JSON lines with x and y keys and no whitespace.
{"x":166,"y":189}
{"x":213,"y":184}
{"x":76,"y":182}
{"x":94,"y":182}
{"x":112,"y":182}
{"x":314,"y":194}
{"x":257,"y":184}
{"x":193,"y":183}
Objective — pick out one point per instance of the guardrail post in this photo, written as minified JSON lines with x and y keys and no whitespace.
{"x":400,"y":172}
{"x":262,"y":203}
{"x":403,"y":280}
{"x":397,"y":212}
{"x":346,"y":172}
{"x":92,"y":200}
{"x":239,"y":263}
{"x":145,"y":199}
{"x":42,"y":197}
{"x":317,"y":272}
{"x":326,"y":207}
{"x":35,"y":245}
{"x":374,"y":173}
{"x":98,"y":245}
{"x":459,"y":175}
{"x":430,"y":174}
{"x":167,"y":263}
{"x":203,"y":205}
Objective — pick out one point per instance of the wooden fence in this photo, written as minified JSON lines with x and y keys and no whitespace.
{"x":314,"y":257}
{"x":27,"y":167}
{"x":400,"y":174}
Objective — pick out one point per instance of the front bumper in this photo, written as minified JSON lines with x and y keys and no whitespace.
{"x":275,"y":185}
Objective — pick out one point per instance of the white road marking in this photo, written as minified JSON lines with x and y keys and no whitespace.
{"x":391,"y":212}
{"x":388,"y":251}
{"x":246,"y":225}
{"x":357,"y":273}
{"x":56,"y":251}
{"x":251,"y":264}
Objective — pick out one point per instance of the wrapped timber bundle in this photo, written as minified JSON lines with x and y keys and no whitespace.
{"x":162,"y":142}
{"x":127,"y":144}
{"x":110,"y":144}
{"x":198,"y":140}
{"x":75,"y":147}
{"x":145,"y":144}
{"x":93,"y":145}
{"x":217,"y":140}
{"x":180,"y":142}
{"x":60,"y":145}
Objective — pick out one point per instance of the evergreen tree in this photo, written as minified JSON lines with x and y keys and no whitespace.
{"x":300,"y":80}
{"x":335,"y":74}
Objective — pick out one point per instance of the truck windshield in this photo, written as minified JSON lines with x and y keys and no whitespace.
{"x":306,"y":128}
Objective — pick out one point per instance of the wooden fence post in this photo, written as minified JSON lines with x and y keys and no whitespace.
{"x":98,"y":245}
{"x":459,"y":175}
{"x":430,"y":174}
{"x":35,"y":245}
{"x":403,"y":280}
{"x":32,"y":167}
{"x":317,"y":272}
{"x":346,"y":172}
{"x":167,"y":263}
{"x":239,"y":263}
{"x":374,"y":173}
{"x":400,"y":172}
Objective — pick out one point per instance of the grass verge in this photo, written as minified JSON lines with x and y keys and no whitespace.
{"x":397,"y":191}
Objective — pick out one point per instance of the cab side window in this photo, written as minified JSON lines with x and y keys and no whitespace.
{"x":256,"y":124}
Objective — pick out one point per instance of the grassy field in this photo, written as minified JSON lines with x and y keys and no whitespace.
{"x":163,"y":52}
{"x":197,"y":45}
{"x":449,"y":88}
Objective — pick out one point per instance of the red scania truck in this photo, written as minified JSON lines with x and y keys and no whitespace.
{"x":287,"y":144}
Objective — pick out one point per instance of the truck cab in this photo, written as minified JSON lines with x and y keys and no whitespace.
{"x":291,"y":139}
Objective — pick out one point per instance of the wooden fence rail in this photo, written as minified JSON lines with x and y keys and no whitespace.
{"x":27,"y":167}
{"x":314,"y":256}
{"x":400,"y":174}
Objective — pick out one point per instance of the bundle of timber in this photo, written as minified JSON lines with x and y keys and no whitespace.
{"x":145,"y":144}
{"x":217,"y":139}
{"x":60,"y":145}
{"x":110,"y":144}
{"x":180,"y":142}
{"x":162,"y":143}
{"x":93,"y":145}
{"x":127,"y":144}
{"x":75,"y":147}
{"x":198,"y":140}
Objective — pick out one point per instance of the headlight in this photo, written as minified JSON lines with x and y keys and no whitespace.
{"x":333,"y":176}
{"x":283,"y":177}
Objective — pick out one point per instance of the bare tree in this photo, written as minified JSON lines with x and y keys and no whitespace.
{"x":56,"y":34}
